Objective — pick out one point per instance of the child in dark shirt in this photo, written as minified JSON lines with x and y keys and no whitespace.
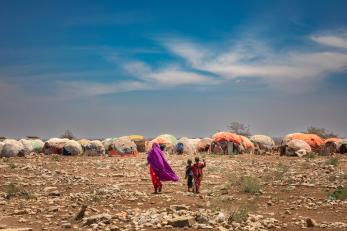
{"x":189,"y":175}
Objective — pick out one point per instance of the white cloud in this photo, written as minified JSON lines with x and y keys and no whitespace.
{"x":331,"y":40}
{"x":253,"y":59}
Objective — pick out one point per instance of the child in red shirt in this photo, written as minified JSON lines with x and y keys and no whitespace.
{"x":198,"y":173}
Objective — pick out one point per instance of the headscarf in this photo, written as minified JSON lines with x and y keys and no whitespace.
{"x":159,"y":165}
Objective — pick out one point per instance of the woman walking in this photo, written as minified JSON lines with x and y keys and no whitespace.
{"x":159,"y":168}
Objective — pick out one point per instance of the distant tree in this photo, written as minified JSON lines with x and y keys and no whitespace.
{"x":68,"y":134}
{"x":322,"y":132}
{"x":239,"y":128}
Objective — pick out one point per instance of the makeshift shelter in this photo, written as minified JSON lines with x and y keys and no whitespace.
{"x":226,"y":143}
{"x":140,"y":142}
{"x":107,"y":142}
{"x":316,"y":143}
{"x":330,"y":146}
{"x":54,"y":146}
{"x":296,"y":147}
{"x":288,"y":138}
{"x":342,"y":146}
{"x":94,"y":148}
{"x":28,"y":148}
{"x":37,"y":145}
{"x":72,"y":148}
{"x":12,"y":148}
{"x":247,"y":145}
{"x":185,"y":146}
{"x":32,"y":145}
{"x":84,"y":142}
{"x":262,"y":143}
{"x":204,"y":145}
{"x":169,"y":141}
{"x":122,"y":146}
{"x":1,"y":145}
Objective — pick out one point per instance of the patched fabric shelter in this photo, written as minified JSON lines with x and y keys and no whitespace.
{"x":94,"y":148}
{"x":204,"y":145}
{"x":168,"y":140}
{"x":297,"y":147}
{"x":330,"y":146}
{"x":140,"y":142}
{"x":262,"y":143}
{"x":72,"y":148}
{"x":122,"y":146}
{"x":12,"y":148}
{"x":226,"y":143}
{"x":185,"y":146}
{"x":247,"y":144}
{"x":107,"y":142}
{"x":54,"y":146}
{"x":316,"y":143}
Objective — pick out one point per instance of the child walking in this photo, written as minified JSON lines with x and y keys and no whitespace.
{"x":198,"y":173}
{"x":189,"y":175}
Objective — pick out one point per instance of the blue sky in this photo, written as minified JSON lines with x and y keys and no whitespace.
{"x":111,"y":68}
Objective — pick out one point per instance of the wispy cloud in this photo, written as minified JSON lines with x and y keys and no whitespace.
{"x":331,"y":40}
{"x":253,"y":59}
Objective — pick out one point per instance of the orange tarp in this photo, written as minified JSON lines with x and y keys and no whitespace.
{"x":335,"y":140}
{"x":247,"y":143}
{"x":227,"y":136}
{"x":313,"y":140}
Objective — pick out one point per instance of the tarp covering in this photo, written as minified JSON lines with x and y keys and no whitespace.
{"x":122,"y":146}
{"x":263,"y":140}
{"x":34,"y":145}
{"x":84,"y":142}
{"x":136,"y":137}
{"x":54,"y":146}
{"x":289,"y":137}
{"x":94,"y":148}
{"x":334,"y":139}
{"x":37,"y":145}
{"x":72,"y":148}
{"x":107,"y":142}
{"x":315,"y":142}
{"x":298,"y":147}
{"x":188,"y":145}
{"x":247,"y":144}
{"x":227,"y":136}
{"x":12,"y":148}
{"x":204,"y":144}
{"x":169,"y":141}
{"x":1,"y":145}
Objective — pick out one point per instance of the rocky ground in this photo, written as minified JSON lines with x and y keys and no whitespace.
{"x":244,"y":192}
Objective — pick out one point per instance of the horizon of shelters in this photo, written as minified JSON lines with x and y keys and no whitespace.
{"x":294,"y":144}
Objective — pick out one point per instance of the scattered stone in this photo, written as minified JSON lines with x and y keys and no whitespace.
{"x":181,"y":221}
{"x":310,"y":222}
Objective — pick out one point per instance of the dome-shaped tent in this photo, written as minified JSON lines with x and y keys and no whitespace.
{"x":12,"y":148}
{"x":297,"y":147}
{"x":289,"y":137}
{"x":330,"y":146}
{"x":342,"y":146}
{"x":185,"y":146}
{"x":94,"y":148}
{"x":316,"y":143}
{"x":140,"y":142}
{"x":169,"y":141}
{"x":122,"y":146}
{"x":247,"y":144}
{"x":262,"y":143}
{"x":204,"y":145}
{"x":107,"y":142}
{"x":54,"y":146}
{"x":32,"y":145}
{"x":72,"y":148}
{"x":226,"y":143}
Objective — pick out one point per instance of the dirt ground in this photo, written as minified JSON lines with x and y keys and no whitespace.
{"x":46,"y":192}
